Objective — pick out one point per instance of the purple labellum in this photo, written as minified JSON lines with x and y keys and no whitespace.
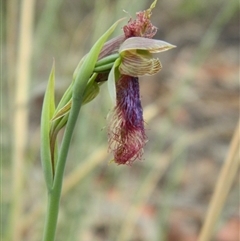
{"x":126,"y":134}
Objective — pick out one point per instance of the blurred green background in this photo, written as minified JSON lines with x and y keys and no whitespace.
{"x":191,"y":108}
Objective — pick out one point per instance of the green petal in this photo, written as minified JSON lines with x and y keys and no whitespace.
{"x":137,"y":65}
{"x":151,"y":45}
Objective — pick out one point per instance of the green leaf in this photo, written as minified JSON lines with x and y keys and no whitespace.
{"x":48,"y":110}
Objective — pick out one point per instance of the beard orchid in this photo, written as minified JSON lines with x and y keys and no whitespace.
{"x":126,"y":132}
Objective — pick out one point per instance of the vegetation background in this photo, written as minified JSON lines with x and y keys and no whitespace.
{"x":191,"y":110}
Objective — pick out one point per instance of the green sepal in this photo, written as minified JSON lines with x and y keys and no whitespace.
{"x":113,"y":76}
{"x":103,"y":68}
{"x":87,"y":67}
{"x":106,"y":63}
{"x":90,"y":93}
{"x":48,"y":110}
{"x":63,"y":108}
{"x":62,"y":112}
{"x":67,"y":96}
{"x":78,"y":67}
{"x":108,"y":59}
{"x":92,"y":90}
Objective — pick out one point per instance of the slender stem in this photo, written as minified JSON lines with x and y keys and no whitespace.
{"x":55,"y":193}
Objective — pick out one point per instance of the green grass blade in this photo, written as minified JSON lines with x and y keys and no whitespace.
{"x":48,"y":110}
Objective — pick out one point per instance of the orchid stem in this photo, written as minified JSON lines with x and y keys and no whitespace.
{"x":55,"y":193}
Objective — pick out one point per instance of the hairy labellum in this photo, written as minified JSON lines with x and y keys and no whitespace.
{"x":126,"y":134}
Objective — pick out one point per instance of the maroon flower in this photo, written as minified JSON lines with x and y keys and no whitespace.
{"x":126,"y":133}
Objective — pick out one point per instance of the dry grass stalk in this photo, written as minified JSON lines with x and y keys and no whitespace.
{"x":224,"y":183}
{"x":20,"y":120}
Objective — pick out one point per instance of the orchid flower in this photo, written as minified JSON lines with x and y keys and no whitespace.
{"x":133,"y":52}
{"x":126,"y":133}
{"x":121,"y":62}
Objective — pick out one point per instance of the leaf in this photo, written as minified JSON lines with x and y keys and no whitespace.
{"x":48,"y":109}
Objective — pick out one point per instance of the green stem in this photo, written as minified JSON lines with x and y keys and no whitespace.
{"x":55,"y":193}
